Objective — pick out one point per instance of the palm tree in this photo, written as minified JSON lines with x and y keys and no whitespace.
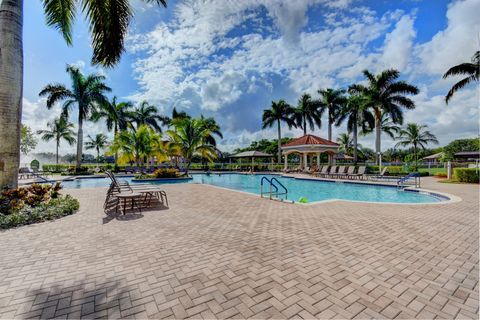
{"x":190,"y":137}
{"x":87,"y":93}
{"x":416,"y":136}
{"x":356,"y":114}
{"x":137,"y":145}
{"x":116,"y":115}
{"x":387,"y":126}
{"x":280,"y":111}
{"x":386,"y":94}
{"x":108,"y":27}
{"x":346,"y":143}
{"x":98,"y":142}
{"x":332,"y":101}
{"x":308,"y":112}
{"x":147,"y":114}
{"x":60,"y":129}
{"x":212,"y":126}
{"x":470,"y":69}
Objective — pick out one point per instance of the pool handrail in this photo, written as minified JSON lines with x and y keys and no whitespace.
{"x":281,"y":185}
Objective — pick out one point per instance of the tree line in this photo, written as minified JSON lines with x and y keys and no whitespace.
{"x":376,"y":106}
{"x":137,"y":130}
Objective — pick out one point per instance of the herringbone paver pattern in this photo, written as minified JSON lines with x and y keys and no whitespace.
{"x":221,"y":254}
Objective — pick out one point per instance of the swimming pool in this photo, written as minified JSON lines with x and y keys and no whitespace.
{"x":312,"y":190}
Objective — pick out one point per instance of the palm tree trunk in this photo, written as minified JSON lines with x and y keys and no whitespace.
{"x":56,"y":157}
{"x":355,"y":143}
{"x":304,"y":125}
{"x":11,"y":86}
{"x":378,"y":132}
{"x":279,"y":143}
{"x":415,"y":156}
{"x":79,"y":142}
{"x":98,"y":155}
{"x":329,"y":130}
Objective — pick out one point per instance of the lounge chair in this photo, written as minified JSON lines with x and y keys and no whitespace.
{"x":148,"y":190}
{"x":333,"y":172}
{"x":360,"y":173}
{"x":324,"y":172}
{"x":339,"y":174}
{"x":350,"y":171}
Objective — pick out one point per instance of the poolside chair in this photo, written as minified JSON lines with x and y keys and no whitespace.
{"x":339,"y":174}
{"x":360,"y":173}
{"x":323,"y":172}
{"x":350,"y":171}
{"x":333,"y":172}
{"x":148,"y":190}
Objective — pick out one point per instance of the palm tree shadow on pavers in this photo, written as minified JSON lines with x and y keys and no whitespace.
{"x":85,"y":299}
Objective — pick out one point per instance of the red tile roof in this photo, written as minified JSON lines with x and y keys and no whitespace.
{"x":310,"y":139}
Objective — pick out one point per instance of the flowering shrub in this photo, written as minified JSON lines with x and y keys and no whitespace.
{"x":33,"y":204}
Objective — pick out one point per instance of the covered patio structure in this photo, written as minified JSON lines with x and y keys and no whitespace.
{"x":310,"y":146}
{"x":251,"y":155}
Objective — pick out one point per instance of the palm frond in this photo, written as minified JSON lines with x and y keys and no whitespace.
{"x":60,"y":15}
{"x":459,"y":85}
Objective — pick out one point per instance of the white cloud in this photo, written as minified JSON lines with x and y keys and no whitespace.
{"x":456,"y":43}
{"x":398,"y":45}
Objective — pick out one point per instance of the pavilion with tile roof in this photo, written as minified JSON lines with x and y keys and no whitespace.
{"x":310,"y":146}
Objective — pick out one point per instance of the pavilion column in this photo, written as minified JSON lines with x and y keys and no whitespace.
{"x":285,"y":156}
{"x":305,"y":161}
{"x":318,"y":159}
{"x":330,"y":159}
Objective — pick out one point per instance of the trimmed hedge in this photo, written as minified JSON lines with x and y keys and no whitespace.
{"x":470,"y":175}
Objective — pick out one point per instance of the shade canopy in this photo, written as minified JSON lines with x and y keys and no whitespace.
{"x":251,"y":154}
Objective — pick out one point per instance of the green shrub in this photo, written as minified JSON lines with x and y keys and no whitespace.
{"x":466,"y":175}
{"x":440,"y":174}
{"x":165,"y":173}
{"x":159,"y":174}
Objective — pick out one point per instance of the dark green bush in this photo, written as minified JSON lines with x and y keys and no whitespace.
{"x":466,"y":175}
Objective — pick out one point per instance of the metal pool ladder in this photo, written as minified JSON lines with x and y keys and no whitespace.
{"x":414,"y":175}
{"x":273,"y":188}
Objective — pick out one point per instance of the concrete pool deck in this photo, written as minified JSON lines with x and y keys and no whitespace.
{"x":217,"y":253}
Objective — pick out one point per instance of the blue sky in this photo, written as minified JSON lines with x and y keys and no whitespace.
{"x":230,"y":59}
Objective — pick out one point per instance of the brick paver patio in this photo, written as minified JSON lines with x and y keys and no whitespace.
{"x":222,"y":254}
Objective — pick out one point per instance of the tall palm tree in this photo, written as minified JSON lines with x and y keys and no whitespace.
{"x":87,"y":93}
{"x":98,"y":143}
{"x":386,"y":94}
{"x":280,"y":111}
{"x":190,"y":137}
{"x":60,"y":129}
{"x":137,"y":145}
{"x":117,"y":116}
{"x":108,"y":28}
{"x":469,"y":69}
{"x":308,"y":112}
{"x":213,"y":127}
{"x":356,"y":115}
{"x":147,"y":114}
{"x":416,"y":136}
{"x":332,"y":101}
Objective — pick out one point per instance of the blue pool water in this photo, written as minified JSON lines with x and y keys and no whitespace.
{"x":297,"y":188}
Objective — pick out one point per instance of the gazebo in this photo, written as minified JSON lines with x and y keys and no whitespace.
{"x":252,"y":155}
{"x":310,"y":146}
